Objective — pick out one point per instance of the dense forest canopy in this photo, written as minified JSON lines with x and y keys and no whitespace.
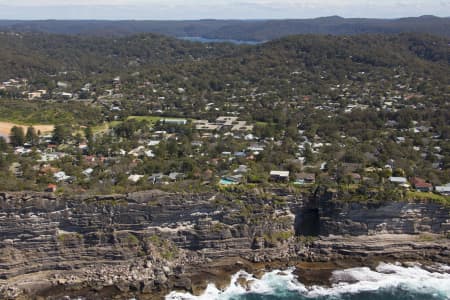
{"x":254,"y":30}
{"x":28,"y":55}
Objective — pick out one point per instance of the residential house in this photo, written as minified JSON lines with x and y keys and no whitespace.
{"x":61,"y":176}
{"x":88,"y":172}
{"x":305,"y":178}
{"x":175,"y":176}
{"x":239,"y":154}
{"x":157,"y":178}
{"x":34,"y":95}
{"x":139,"y":151}
{"x":400,"y":181}
{"x":443,"y":190}
{"x":51,"y":188}
{"x":16,"y":169}
{"x":231,"y":180}
{"x":242,"y":126}
{"x":279,"y":176}
{"x":355,"y":177}
{"x":135,"y":178}
{"x":249,"y":137}
{"x":421,"y":185}
{"x":242,"y":169}
{"x":226,"y":121}
{"x":65,"y":95}
{"x":153,"y":143}
{"x":205,"y":125}
{"x":62,"y":85}
{"x":256,"y":148}
{"x":149,"y":153}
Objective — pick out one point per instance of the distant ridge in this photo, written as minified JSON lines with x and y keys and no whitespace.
{"x":249,"y":30}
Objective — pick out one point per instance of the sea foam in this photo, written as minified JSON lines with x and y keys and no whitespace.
{"x":350,"y":281}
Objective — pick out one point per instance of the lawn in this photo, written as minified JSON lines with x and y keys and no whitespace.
{"x":150,"y":119}
{"x":105,"y":126}
{"x":412,"y":195}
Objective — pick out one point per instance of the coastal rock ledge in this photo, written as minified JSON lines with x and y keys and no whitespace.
{"x":145,"y":244}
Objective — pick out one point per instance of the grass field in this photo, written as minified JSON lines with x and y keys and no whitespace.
{"x":150,"y":119}
{"x":105,"y":126}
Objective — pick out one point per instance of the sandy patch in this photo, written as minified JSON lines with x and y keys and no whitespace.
{"x":5,"y":128}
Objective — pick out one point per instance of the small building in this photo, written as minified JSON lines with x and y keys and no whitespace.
{"x":355,"y":177}
{"x":249,"y":137}
{"x":239,"y":154}
{"x":153,"y":143}
{"x":242,"y":126}
{"x":421,"y":185}
{"x":226,"y":121}
{"x":305,"y":178}
{"x":62,"y":85}
{"x":157,"y":178}
{"x":149,"y":153}
{"x":135,"y":178}
{"x":175,"y":121}
{"x":398,"y":180}
{"x":279,"y":176}
{"x":61,"y":176}
{"x":66,"y":95}
{"x":88,"y":172}
{"x":34,"y":95}
{"x":443,"y":190}
{"x":175,"y":176}
{"x":205,"y":125}
{"x":139,"y":151}
{"x":51,"y":188}
{"x":231,"y":180}
{"x":242,"y":169}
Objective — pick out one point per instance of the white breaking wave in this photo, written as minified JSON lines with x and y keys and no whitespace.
{"x":349,"y":281}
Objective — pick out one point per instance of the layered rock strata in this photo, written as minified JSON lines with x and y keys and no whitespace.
{"x":150,"y":242}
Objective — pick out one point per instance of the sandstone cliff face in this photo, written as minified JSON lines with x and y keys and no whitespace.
{"x":395,"y":218}
{"x":41,"y":232}
{"x":142,"y":241}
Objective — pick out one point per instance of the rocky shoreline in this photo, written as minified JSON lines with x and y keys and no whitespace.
{"x":146,"y":244}
{"x":145,"y":280}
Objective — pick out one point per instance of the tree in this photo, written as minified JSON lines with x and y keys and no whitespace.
{"x":17,"y":136}
{"x":3,"y":144}
{"x":88,"y":133}
{"x":308,"y":154}
{"x":61,"y":133}
{"x":31,"y":136}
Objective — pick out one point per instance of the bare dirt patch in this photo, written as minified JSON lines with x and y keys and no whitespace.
{"x":5,"y":128}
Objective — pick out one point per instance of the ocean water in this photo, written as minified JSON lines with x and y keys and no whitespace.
{"x":386,"y":282}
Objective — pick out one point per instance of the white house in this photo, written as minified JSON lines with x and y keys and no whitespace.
{"x":135,"y":178}
{"x":443,"y":190}
{"x":279,"y":175}
{"x":398,"y":180}
{"x":88,"y":172}
{"x":61,"y":176}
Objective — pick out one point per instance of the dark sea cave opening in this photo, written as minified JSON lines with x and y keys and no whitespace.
{"x":307,"y":222}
